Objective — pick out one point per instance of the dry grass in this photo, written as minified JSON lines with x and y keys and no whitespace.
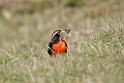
{"x":96,"y":43}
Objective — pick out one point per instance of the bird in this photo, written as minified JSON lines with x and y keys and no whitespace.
{"x":57,"y":45}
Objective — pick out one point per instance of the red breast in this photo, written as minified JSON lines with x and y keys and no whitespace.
{"x":59,"y":47}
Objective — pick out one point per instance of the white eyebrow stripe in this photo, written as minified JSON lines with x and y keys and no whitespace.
{"x":54,"y":34}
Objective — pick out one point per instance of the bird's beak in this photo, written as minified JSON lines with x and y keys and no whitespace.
{"x":67,"y":30}
{"x":63,"y":30}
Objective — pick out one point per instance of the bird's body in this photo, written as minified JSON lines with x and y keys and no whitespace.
{"x":57,"y":45}
{"x":57,"y":48}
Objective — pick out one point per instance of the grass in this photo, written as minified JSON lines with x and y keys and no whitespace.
{"x":96,"y":42}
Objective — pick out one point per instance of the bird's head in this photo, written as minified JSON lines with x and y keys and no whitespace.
{"x":57,"y":35}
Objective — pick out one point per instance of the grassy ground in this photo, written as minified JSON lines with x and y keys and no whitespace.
{"x":96,"y":41}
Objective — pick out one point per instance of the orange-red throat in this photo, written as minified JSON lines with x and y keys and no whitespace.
{"x":59,"y":47}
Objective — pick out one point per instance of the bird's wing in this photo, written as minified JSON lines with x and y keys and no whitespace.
{"x":65,"y":45}
{"x":49,"y":48}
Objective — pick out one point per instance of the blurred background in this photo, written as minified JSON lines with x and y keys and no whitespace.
{"x":24,"y":21}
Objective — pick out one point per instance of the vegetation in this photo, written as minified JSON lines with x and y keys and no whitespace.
{"x":96,"y":41}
